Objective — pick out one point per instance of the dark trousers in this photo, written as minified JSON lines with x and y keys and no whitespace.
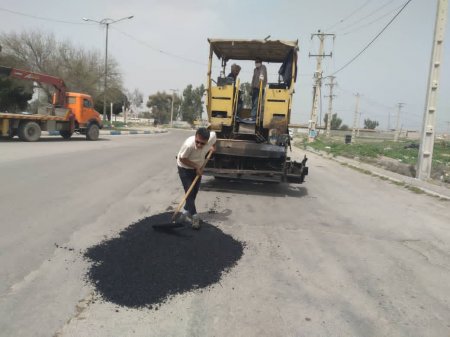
{"x":255,"y":96}
{"x":187,"y":176}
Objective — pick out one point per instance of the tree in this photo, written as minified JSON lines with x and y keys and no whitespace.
{"x":81,"y":70}
{"x":370,"y":124}
{"x":192,"y":105}
{"x":335,"y":121}
{"x":135,"y":99}
{"x":13,"y":97}
{"x":344,"y":127}
{"x":161,"y":104}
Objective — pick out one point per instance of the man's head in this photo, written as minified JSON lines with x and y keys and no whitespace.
{"x":201,"y":137}
{"x":258,"y":62}
{"x":235,"y":69}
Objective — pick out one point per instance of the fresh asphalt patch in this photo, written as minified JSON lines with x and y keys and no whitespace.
{"x":143,"y":267}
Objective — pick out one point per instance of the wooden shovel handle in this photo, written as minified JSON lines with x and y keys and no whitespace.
{"x":190,"y":188}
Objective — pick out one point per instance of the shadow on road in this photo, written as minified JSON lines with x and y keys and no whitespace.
{"x":254,"y":188}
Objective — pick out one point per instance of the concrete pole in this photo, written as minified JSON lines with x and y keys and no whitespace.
{"x":106,"y":73}
{"x":397,"y":126}
{"x":111,"y":112}
{"x":389,"y":121}
{"x":312,"y":133}
{"x":330,"y":104}
{"x":358,"y":125}
{"x":429,"y":119}
{"x":171,"y":111}
{"x":355,"y":117}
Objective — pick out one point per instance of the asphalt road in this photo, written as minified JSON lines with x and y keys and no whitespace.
{"x":345,"y":254}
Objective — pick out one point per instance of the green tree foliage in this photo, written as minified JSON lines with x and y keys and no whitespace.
{"x":117,"y":98}
{"x":81,"y":70}
{"x":13,"y":97}
{"x":344,"y":127}
{"x":335,"y":121}
{"x":160,"y":104}
{"x":192,"y":105}
{"x":370,"y":124}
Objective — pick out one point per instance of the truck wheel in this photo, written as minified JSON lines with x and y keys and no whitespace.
{"x":65,"y":134}
{"x":30,"y":132}
{"x":92,"y":132}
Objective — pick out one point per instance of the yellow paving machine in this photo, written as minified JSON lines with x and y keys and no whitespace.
{"x":253,"y":146}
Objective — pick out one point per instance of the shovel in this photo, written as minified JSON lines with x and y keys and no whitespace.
{"x":174,"y":223}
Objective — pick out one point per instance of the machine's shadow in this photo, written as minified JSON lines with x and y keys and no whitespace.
{"x":253,"y":188}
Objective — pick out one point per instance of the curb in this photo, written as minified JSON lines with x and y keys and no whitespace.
{"x":407,"y":182}
{"x":117,"y":132}
{"x":131,"y":132}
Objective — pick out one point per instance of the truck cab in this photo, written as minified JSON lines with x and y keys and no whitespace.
{"x":82,"y":107}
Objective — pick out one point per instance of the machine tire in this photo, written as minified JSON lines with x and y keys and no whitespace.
{"x":66,"y":134}
{"x":92,"y":132}
{"x":30,"y":131}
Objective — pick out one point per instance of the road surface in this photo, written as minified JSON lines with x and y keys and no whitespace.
{"x":345,"y":254}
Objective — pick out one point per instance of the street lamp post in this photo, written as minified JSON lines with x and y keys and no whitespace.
{"x":107,"y":22}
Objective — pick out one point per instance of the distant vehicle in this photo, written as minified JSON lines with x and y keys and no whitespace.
{"x":247,"y":148}
{"x":71,"y":112}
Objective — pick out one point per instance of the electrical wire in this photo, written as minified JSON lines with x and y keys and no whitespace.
{"x":357,"y":29}
{"x":373,"y":40}
{"x":157,"y":49}
{"x":368,"y":15}
{"x":41,"y":18}
{"x":348,"y":16}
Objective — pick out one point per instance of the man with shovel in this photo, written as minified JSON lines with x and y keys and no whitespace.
{"x":191,"y":160}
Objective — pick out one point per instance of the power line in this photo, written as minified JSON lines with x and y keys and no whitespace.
{"x":371,"y":22}
{"x":373,"y":40}
{"x":348,"y":16}
{"x":368,"y":15}
{"x":41,"y":17}
{"x":159,"y":50}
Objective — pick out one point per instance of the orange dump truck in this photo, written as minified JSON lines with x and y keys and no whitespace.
{"x":70,"y":112}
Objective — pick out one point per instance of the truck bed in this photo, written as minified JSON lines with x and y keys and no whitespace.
{"x":32,"y":117}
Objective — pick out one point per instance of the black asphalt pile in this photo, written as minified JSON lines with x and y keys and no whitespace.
{"x":143,"y":267}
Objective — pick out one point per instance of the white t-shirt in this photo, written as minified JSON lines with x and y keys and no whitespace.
{"x":190,"y":151}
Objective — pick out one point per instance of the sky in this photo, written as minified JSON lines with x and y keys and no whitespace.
{"x":164,"y":46}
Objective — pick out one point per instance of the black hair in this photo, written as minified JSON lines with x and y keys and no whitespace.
{"x":203,"y":132}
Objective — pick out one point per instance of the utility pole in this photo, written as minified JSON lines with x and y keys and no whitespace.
{"x":124,"y":115}
{"x":107,"y":22}
{"x":330,"y":104}
{"x":397,"y":129}
{"x":389,"y":121}
{"x":111,"y":111}
{"x":312,"y":133}
{"x":358,"y":124}
{"x":429,"y":119}
{"x":171,"y":111}
{"x":355,"y":117}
